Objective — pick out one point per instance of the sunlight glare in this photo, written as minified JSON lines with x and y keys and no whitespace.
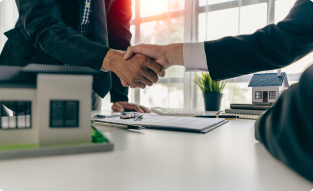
{"x":152,"y":7}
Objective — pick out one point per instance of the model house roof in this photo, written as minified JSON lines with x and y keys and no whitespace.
{"x":12,"y":75}
{"x":268,"y":79}
{"x":17,"y":75}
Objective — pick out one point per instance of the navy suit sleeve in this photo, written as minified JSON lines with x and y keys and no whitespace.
{"x":286,"y":130}
{"x":119,"y":38}
{"x":272,"y":47}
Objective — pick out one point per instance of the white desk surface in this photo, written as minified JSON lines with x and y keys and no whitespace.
{"x":227,"y":158}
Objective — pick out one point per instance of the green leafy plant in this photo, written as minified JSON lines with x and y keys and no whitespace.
{"x":207,"y":85}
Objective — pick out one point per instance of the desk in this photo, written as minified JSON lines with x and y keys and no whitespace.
{"x":225,"y":159}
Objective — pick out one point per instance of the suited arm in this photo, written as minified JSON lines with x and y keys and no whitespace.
{"x":272,"y":47}
{"x":286,"y":130}
{"x":119,"y":38}
{"x":43,"y":24}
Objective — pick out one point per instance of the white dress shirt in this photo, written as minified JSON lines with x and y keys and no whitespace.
{"x":195,"y":57}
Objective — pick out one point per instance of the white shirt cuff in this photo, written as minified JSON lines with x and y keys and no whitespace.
{"x":195,"y":57}
{"x":102,"y":70}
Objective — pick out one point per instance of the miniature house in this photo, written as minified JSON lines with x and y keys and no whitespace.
{"x":45,"y":104}
{"x":267,"y":87}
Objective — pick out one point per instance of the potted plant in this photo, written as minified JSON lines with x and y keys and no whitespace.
{"x":212,"y":91}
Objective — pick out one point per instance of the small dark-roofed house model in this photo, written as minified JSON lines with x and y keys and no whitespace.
{"x":45,"y":104}
{"x":267,"y":87}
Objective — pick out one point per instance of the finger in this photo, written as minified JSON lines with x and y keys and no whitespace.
{"x":132,"y":50}
{"x":146,"y":81}
{"x":138,"y":109}
{"x":162,"y":74}
{"x":126,"y":105}
{"x":151,"y":76}
{"x":137,"y":85}
{"x":117,"y":107}
{"x":155,"y":67}
{"x":124,"y":83}
{"x":146,"y":110}
{"x":130,"y":106}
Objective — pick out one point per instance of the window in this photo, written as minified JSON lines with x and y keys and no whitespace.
{"x":272,"y":95}
{"x":15,"y":115}
{"x":64,"y":114}
{"x":170,"y":21}
{"x":258,"y":95}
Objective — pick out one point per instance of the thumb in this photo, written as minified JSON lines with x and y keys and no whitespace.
{"x":139,"y":49}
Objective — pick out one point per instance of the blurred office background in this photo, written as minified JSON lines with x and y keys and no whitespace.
{"x":172,"y":21}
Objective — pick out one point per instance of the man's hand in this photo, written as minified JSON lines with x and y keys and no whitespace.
{"x":125,"y":106}
{"x":167,"y":55}
{"x":139,"y":71}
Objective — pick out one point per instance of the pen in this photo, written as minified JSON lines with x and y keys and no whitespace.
{"x":219,"y":116}
{"x":134,"y":127}
{"x":127,"y":127}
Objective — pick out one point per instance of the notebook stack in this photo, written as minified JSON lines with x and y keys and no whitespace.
{"x":248,"y":111}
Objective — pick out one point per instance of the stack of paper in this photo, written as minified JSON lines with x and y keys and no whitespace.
{"x":191,"y":124}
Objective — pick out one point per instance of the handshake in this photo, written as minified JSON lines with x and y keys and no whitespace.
{"x":141,"y":65}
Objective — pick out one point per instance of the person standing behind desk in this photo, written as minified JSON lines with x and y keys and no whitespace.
{"x":81,"y":33}
{"x":286,"y":130}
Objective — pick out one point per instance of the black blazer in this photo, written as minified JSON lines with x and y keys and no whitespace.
{"x":286,"y":129}
{"x":46,"y":32}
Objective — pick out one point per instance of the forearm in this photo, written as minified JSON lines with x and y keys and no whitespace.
{"x":272,"y":47}
{"x":286,"y":129}
{"x":45,"y":28}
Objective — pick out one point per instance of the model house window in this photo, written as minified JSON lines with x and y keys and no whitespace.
{"x":64,"y":114}
{"x":272,"y":95}
{"x":258,"y":95}
{"x":15,"y":115}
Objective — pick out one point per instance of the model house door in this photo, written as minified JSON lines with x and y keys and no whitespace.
{"x":265,"y":97}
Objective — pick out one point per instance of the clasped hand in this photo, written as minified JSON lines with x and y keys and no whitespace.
{"x":141,"y":65}
{"x":138,"y":71}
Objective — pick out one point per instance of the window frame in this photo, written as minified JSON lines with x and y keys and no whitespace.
{"x":191,"y":30}
{"x":260,"y":96}
{"x":29,"y":103}
{"x":271,"y":96}
{"x":64,"y":115}
{"x":196,"y":10}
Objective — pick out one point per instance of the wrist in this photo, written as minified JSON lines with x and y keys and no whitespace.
{"x":174,"y":54}
{"x":107,"y":61}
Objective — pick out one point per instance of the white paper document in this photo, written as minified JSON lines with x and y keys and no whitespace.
{"x":169,"y":122}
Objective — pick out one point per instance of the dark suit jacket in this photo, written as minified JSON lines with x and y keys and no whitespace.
{"x":286,"y":129}
{"x":46,"y":32}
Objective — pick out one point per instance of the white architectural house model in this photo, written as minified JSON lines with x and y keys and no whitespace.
{"x":45,"y":105}
{"x":267,"y":87}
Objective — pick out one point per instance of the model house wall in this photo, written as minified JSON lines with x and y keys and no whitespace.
{"x":50,"y":104}
{"x":265,"y":91}
{"x":57,"y":87}
{"x":19,"y":136}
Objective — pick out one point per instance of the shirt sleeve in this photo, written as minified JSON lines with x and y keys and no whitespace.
{"x":195,"y":57}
